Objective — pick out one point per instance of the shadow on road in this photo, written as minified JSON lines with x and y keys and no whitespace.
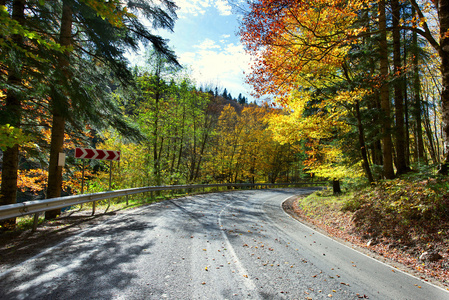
{"x":81,"y":270}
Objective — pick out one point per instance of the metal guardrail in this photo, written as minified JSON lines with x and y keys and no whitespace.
{"x":38,"y":206}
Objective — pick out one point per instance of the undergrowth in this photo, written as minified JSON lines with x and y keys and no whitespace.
{"x":402,"y":207}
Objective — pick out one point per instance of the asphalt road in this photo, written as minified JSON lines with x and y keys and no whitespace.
{"x":235,"y":245}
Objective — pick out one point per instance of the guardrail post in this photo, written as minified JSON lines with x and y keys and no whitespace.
{"x":35,"y":222}
{"x":127,"y":197}
{"x":93,"y":207}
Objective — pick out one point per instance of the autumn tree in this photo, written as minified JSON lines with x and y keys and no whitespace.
{"x":301,"y":51}
{"x":244,"y":149}
{"x":311,"y":47}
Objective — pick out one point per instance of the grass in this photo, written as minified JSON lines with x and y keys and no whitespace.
{"x":318,"y":203}
{"x":325,"y":209}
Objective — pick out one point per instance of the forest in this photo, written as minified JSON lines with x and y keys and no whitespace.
{"x":359,"y":95}
{"x":66,"y":83}
{"x":363,"y":80}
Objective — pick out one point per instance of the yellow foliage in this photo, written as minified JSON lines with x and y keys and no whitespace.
{"x":34,"y":180}
{"x":326,"y":158}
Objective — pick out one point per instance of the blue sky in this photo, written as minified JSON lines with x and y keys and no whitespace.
{"x":206,"y":42}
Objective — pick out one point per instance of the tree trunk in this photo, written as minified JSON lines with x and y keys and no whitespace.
{"x":428,"y":129}
{"x":8,"y":192}
{"x":387,"y":145}
{"x":201,"y":154}
{"x":401,"y":164}
{"x":374,"y":105}
{"x":156,"y":171}
{"x":443,"y":13}
{"x":406,"y":108}
{"x":417,"y":111}
{"x":336,"y":189}
{"x":361,"y":135}
{"x":437,"y":140}
{"x":58,"y":126}
{"x":376,"y":146}
{"x":366,"y":165}
{"x":157,"y":98}
{"x":193,"y":157}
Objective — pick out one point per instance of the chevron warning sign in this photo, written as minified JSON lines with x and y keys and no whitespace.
{"x":97,"y":154}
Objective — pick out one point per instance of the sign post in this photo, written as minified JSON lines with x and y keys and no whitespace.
{"x":110,"y":155}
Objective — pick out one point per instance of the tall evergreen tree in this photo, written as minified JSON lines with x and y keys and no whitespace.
{"x":401,"y":159}
{"x":225,"y":94}
{"x":11,"y":111}
{"x":387,"y":145}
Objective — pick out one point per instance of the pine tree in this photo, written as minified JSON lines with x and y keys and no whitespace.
{"x":225,"y":94}
{"x":11,"y":114}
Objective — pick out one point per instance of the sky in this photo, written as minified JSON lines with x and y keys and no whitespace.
{"x":206,"y":41}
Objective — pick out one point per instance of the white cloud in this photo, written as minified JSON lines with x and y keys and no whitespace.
{"x":192,"y":7}
{"x":187,"y":58}
{"x":223,"y":7}
{"x":198,"y":7}
{"x":212,"y":63}
{"x":207,"y":44}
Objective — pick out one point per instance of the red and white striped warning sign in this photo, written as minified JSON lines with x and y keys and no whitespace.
{"x":97,"y":154}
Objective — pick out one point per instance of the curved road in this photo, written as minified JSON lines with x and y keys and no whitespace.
{"x":234,"y":245}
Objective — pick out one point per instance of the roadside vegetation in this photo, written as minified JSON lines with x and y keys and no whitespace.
{"x":405,"y":220}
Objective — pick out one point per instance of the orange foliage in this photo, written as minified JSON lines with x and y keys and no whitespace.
{"x":289,"y":37}
{"x":34,"y":180}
